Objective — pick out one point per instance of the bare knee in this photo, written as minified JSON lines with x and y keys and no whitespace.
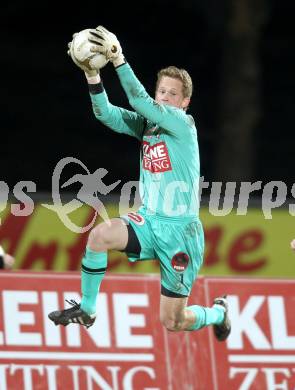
{"x":99,"y":238}
{"x":172,"y":313}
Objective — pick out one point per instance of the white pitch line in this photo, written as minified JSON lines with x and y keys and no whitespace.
{"x":122,"y":357}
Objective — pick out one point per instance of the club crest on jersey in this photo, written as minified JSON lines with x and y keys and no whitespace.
{"x":180,"y":261}
{"x":155,"y":157}
{"x":136,"y":218}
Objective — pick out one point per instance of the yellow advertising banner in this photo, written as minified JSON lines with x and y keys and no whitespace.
{"x":235,"y":245}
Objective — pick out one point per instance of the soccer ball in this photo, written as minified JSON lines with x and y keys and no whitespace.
{"x":80,"y":47}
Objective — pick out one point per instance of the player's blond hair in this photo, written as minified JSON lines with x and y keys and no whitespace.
{"x":179,"y":74}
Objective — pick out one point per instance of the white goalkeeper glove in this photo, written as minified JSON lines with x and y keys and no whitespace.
{"x":89,"y":72}
{"x":107,"y":43}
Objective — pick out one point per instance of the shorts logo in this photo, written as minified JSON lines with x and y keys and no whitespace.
{"x":136,"y":218}
{"x":155,"y":157}
{"x":180,"y":261}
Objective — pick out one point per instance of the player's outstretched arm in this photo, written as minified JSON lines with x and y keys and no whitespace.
{"x":173,"y":120}
{"x":116,"y":118}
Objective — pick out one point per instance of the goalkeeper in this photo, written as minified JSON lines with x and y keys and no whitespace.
{"x":166,"y":226}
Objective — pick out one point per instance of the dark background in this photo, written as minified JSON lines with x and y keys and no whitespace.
{"x":45,"y":107}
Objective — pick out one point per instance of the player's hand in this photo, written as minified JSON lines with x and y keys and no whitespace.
{"x":6,"y":260}
{"x":82,"y":65}
{"x":292,"y":244}
{"x":107,"y":43}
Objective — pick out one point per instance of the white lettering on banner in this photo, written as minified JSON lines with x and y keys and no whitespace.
{"x":51,"y":376}
{"x":52,"y":333}
{"x":278,"y":324}
{"x":249,"y":377}
{"x":128,"y":378}
{"x":83,"y":356}
{"x":92,"y":376}
{"x":75,"y":375}
{"x":244,"y":323}
{"x":49,"y":373}
{"x":99,"y":331}
{"x":14,"y":318}
{"x":269,"y":377}
{"x":124,"y":320}
{"x":261,"y":358}
{"x":27,"y":373}
{"x":3,"y":382}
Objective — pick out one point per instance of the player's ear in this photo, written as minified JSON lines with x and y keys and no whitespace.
{"x":185,"y":103}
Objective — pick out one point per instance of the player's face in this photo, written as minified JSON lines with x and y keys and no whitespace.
{"x":169,"y":92}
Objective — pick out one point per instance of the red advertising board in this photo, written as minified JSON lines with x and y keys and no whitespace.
{"x":260,"y":352}
{"x":127,"y":348}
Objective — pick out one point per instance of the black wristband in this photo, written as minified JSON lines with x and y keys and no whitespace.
{"x":94,"y":89}
{"x":124,"y":63}
{"x":1,"y":262}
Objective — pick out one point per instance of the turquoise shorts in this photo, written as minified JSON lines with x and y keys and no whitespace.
{"x":178,"y":244}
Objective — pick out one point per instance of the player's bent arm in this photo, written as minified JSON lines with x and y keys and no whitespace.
{"x":170,"y":118}
{"x":116,"y":118}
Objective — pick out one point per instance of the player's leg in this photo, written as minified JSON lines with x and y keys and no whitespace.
{"x":181,"y":255}
{"x":105,"y":236}
{"x":130,"y":234}
{"x":175,"y":315}
{"x":123,"y":234}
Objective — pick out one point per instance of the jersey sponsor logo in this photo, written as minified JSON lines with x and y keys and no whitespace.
{"x":156,"y":157}
{"x":136,"y":218}
{"x":180,"y":261}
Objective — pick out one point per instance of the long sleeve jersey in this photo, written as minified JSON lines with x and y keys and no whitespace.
{"x":169,"y":157}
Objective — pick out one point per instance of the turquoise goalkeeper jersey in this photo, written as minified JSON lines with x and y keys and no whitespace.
{"x":169,"y":161}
